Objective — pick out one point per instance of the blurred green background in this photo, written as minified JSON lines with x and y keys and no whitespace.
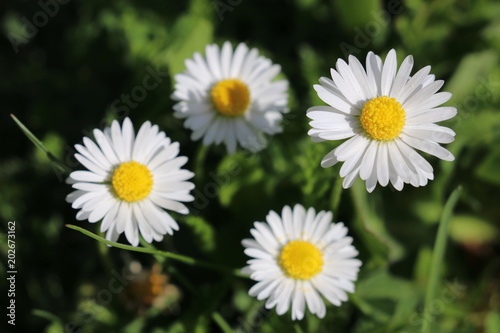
{"x":67,"y":67}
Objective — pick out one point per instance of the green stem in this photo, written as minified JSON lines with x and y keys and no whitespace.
{"x":63,"y":168}
{"x":178,"y":257}
{"x":219,"y":320}
{"x":171,"y":269}
{"x":437,"y":257}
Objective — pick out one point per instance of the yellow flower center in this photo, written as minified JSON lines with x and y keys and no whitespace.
{"x":301,"y":260}
{"x":231,"y":97}
{"x":383,"y":118}
{"x":132,"y":181}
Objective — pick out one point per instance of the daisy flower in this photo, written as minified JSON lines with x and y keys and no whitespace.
{"x":230,"y":97}
{"x":299,"y":257}
{"x":129,"y":182}
{"x":386,"y":114}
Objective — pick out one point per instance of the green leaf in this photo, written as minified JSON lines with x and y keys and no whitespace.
{"x":203,"y":232}
{"x":488,"y":169}
{"x":385,"y":298}
{"x":56,"y":325}
{"x":312,"y":69}
{"x":190,"y":34}
{"x":472,"y":229}
{"x":135,"y":326}
{"x":423,"y":265}
{"x":349,"y":13}
{"x":372,"y":228}
{"x":102,"y":313}
{"x":380,"y":284}
{"x":429,"y":211}
{"x":144,"y":33}
{"x":475,"y":65}
{"x":492,"y":322}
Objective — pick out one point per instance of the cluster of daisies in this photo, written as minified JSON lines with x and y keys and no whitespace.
{"x":299,"y":257}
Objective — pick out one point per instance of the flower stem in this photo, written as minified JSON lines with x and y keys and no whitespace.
{"x":437,"y":257}
{"x":63,"y":168}
{"x":178,"y":257}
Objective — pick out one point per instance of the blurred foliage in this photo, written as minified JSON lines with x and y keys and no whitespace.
{"x":74,"y":72}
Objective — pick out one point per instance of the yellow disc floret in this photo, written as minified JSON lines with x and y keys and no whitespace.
{"x":383,"y":118}
{"x":301,"y":260}
{"x":231,"y":97}
{"x":132,"y":181}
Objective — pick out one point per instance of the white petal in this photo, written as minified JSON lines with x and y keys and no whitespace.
{"x":87,"y":176}
{"x":128,"y":137}
{"x":101,"y":209}
{"x":368,"y":162}
{"x":334,"y":101}
{"x":350,"y":80}
{"x":298,"y":302}
{"x":117,"y":141}
{"x":238,"y":58}
{"x":413,"y":84}
{"x":226,"y":54}
{"x":431,"y":132}
{"x":388,"y":72}
{"x":383,"y":164}
{"x":420,"y":100}
{"x":433,"y":116}
{"x":213,"y":60}
{"x":428,"y":147}
{"x":369,"y":90}
{"x":351,"y":146}
{"x":402,"y":76}
{"x":168,"y":204}
{"x":330,"y":159}
{"x":299,"y":215}
{"x":274,"y":221}
{"x":287,"y":218}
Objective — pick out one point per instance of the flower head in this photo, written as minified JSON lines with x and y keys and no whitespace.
{"x":385,"y":114}
{"x":129,"y":182}
{"x":298,"y":256}
{"x":230,"y":97}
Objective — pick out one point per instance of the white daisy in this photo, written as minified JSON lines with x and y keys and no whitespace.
{"x":297,"y":258}
{"x":387,"y":114}
{"x":229,"y":97}
{"x":129,"y":181}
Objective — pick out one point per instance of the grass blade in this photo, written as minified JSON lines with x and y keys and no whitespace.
{"x":221,"y":322}
{"x":437,"y":256}
{"x":175,"y":256}
{"x":40,"y":145}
